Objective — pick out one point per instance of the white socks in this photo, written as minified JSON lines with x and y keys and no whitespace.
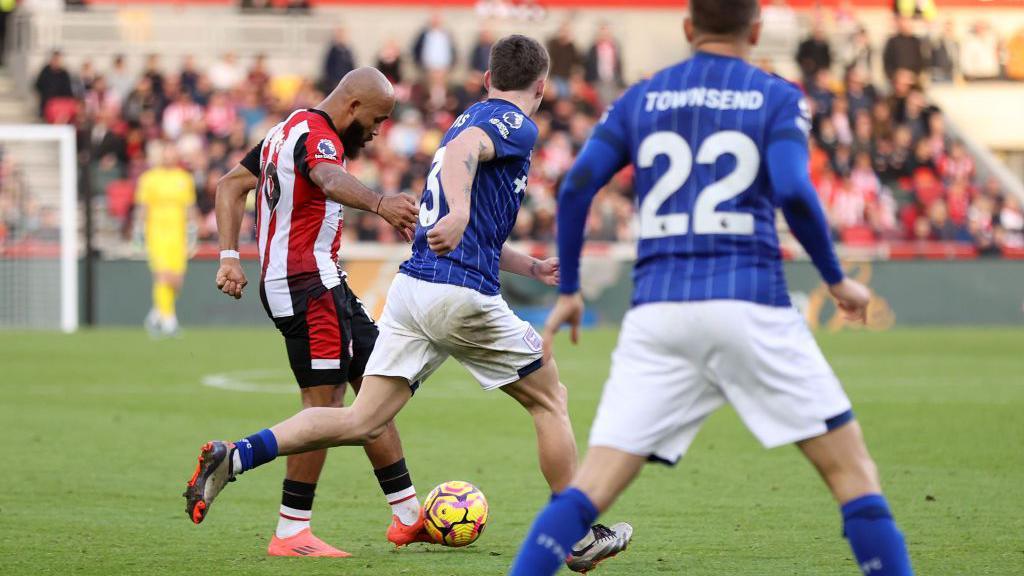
{"x":405,"y":505}
{"x":292,"y":521}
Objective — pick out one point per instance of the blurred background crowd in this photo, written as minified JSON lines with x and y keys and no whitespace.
{"x":884,"y":162}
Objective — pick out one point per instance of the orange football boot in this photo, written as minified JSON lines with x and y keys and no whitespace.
{"x":401,"y":535}
{"x":304,"y":544}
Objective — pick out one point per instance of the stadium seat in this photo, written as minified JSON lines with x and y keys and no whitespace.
{"x":858,"y":236}
{"x":61,"y":111}
{"x":120,"y":194}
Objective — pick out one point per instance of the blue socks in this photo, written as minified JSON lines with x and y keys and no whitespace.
{"x":563,"y":523}
{"x":876,"y":541}
{"x":256,"y":450}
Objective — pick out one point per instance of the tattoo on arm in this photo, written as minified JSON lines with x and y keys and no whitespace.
{"x":471,"y":163}
{"x":533,"y":267}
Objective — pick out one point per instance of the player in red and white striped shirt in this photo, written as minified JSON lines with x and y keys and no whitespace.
{"x":301,"y":189}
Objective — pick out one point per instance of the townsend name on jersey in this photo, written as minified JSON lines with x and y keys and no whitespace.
{"x":704,"y":98}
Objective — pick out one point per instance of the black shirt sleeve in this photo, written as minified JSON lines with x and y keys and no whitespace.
{"x":251,"y":162}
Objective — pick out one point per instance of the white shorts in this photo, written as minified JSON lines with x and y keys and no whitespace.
{"x":677,"y":362}
{"x":424,"y":323}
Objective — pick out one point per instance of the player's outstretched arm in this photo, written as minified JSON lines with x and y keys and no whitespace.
{"x":232,"y":189}
{"x":462,"y":157}
{"x":594,"y":167}
{"x":795,"y":195}
{"x":400,"y":210}
{"x":516,"y":262}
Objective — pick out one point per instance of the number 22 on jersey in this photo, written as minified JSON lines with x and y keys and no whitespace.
{"x":705,"y":218}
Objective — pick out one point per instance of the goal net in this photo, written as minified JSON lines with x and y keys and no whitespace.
{"x":39,"y":234}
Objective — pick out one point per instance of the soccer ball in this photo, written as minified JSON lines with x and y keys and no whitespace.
{"x":455,"y":513}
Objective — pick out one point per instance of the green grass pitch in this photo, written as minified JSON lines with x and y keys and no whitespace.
{"x":100,"y":431}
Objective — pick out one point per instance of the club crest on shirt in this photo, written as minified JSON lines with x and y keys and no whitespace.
{"x":513,"y":119}
{"x":326,"y":150}
{"x":533,"y":340}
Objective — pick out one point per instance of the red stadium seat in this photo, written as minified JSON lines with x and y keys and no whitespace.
{"x":120,"y":195}
{"x":858,"y":236}
{"x":61,"y":111}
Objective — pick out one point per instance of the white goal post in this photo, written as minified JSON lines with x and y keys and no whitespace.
{"x":41,"y":157}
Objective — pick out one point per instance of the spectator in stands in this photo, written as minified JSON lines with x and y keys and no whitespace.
{"x":904,"y":50}
{"x":480,"y":57}
{"x":139,"y":101}
{"x":389,"y":61}
{"x":226,"y":73}
{"x":259,"y":76}
{"x":54,"y":81}
{"x":100,"y":99}
{"x":188,"y":78}
{"x":1015,"y":56}
{"x":604,"y":64}
{"x":151,"y":70}
{"x":120,"y":80}
{"x":981,"y":53}
{"x":945,"y":54}
{"x":565,"y":58}
{"x":1011,"y":221}
{"x":220,"y":117}
{"x":179,"y":113}
{"x":338,"y":61}
{"x":860,"y":95}
{"x":859,"y":52}
{"x":821,"y":94}
{"x":82,"y":82}
{"x":434,"y":47}
{"x":814,"y":53}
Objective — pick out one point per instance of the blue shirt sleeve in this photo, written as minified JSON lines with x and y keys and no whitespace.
{"x":604,"y":154}
{"x":511,"y":131}
{"x":788,"y":157}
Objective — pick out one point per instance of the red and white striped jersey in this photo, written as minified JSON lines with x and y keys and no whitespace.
{"x":298,"y":226}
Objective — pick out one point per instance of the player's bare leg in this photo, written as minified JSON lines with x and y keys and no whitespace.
{"x":388,"y":461}
{"x":380,"y":398}
{"x":841,"y":457}
{"x":366,"y":420}
{"x":293,"y":536}
{"x":546,"y":399}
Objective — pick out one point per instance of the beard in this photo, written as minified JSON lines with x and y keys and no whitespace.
{"x":353,"y":139}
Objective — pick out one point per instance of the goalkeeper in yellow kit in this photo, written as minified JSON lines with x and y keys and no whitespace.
{"x":165,"y":199}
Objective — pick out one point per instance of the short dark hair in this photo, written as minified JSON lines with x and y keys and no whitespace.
{"x":516,"y":62}
{"x":724,"y":17}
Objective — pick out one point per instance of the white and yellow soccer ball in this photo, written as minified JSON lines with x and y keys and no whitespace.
{"x":455,"y":513}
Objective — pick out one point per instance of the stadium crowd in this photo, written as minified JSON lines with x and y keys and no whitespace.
{"x":885,"y":167}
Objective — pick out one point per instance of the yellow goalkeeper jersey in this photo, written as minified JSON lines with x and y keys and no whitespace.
{"x":167,"y":194}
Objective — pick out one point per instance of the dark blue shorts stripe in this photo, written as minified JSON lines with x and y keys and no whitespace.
{"x":531,"y":368}
{"x":655,"y":459}
{"x":839,"y":420}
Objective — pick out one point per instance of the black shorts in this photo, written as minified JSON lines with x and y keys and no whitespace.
{"x":330,"y":340}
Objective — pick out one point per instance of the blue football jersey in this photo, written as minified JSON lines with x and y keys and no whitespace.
{"x":497,"y":193}
{"x":696,"y":134}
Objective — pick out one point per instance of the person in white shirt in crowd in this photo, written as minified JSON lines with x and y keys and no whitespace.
{"x":227,"y":72}
{"x":980,"y":57}
{"x":434,"y":48}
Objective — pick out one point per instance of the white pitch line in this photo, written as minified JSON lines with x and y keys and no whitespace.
{"x":259,"y":381}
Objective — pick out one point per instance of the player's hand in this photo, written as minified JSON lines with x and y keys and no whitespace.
{"x":852,"y":298}
{"x":445,"y":236}
{"x":568,"y":310}
{"x":231,"y":278}
{"x":547,"y":271}
{"x":401,"y":211}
